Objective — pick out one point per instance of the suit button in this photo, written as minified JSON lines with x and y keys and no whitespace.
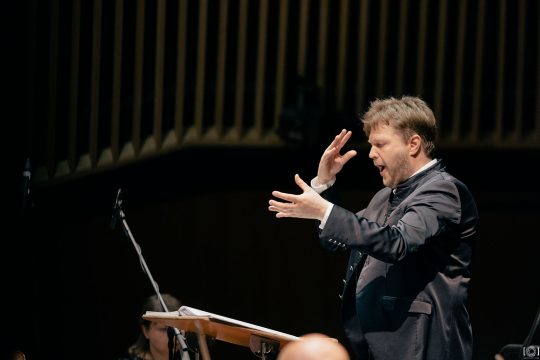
{"x":351,"y":268}
{"x":344,"y":281}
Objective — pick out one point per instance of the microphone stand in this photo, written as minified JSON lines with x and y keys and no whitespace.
{"x":26,"y":182}
{"x":118,"y":213}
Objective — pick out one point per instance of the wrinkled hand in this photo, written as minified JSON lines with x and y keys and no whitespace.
{"x":308,"y":205}
{"x":331,"y":161}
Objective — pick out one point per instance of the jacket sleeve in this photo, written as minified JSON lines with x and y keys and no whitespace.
{"x":432,"y":211}
{"x":330,"y":243}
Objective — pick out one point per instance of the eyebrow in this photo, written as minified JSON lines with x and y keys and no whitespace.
{"x":375,"y":140}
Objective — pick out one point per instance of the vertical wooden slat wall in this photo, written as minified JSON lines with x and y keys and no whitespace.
{"x":440,"y":60}
{"x":94,"y":83}
{"x":74,"y":85}
{"x":322,"y":44}
{"x":421,"y":43}
{"x":499,"y":101}
{"x":220,"y":70}
{"x":138,"y":77}
{"x":361,"y":85}
{"x":261,"y":65}
{"x":240,"y":70}
{"x":52,"y":90}
{"x":520,"y":71}
{"x":402,"y":45}
{"x":381,"y":54}
{"x":303,"y":21}
{"x":117,"y":79}
{"x":478,"y":70}
{"x":536,"y":131}
{"x":158,"y":76}
{"x":459,"y":59}
{"x":438,"y":49}
{"x":200,"y":72}
{"x":176,"y":135}
{"x":342,"y":53}
{"x":280,"y":61}
{"x":30,"y":93}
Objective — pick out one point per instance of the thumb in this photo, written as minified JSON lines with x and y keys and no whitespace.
{"x":301,"y":183}
{"x":348,"y":155}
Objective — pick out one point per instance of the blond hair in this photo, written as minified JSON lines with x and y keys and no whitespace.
{"x":410,"y":115}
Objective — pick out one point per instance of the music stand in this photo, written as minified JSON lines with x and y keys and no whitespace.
{"x":264,"y":343}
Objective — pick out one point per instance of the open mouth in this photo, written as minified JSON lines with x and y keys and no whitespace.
{"x":381,"y":168}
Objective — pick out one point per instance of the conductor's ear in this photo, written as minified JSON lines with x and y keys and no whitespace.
{"x":415,"y":144}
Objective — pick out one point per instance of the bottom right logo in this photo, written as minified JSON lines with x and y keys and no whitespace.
{"x":531,"y":352}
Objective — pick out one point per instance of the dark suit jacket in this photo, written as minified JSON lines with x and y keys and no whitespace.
{"x":407,"y":282}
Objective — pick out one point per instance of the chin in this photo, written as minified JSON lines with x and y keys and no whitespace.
{"x":389,"y":184}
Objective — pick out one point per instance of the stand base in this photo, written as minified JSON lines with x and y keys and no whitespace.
{"x":264,"y":348}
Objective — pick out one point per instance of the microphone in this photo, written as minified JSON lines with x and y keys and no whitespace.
{"x":26,"y":177}
{"x":116,"y":209}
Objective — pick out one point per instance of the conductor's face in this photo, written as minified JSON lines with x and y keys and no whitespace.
{"x":390,"y":154}
{"x":157,"y":339}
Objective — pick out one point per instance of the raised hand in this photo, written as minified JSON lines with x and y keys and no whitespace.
{"x":332,"y":161}
{"x":308,"y":205}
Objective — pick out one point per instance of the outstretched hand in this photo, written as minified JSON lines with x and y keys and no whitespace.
{"x":308,"y":205}
{"x":332,"y":161}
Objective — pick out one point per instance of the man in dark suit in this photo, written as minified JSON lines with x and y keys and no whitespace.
{"x":408,"y":275}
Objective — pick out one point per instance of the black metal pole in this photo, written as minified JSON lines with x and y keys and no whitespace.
{"x":118,"y":213}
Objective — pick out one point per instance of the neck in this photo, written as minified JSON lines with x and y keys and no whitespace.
{"x":156,"y":355}
{"x":423,"y":166}
{"x":419,"y":162}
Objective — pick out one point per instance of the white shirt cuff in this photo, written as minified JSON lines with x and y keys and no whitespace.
{"x":326,"y":215}
{"x":318,"y":187}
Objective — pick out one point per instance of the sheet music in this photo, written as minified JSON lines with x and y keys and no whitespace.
{"x":189,"y":311}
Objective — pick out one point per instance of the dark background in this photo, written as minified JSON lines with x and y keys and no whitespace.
{"x":201,"y":219}
{"x":72,"y":287}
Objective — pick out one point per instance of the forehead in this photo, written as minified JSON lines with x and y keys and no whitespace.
{"x":383,"y":132}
